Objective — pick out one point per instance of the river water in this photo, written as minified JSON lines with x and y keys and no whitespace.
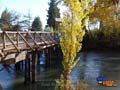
{"x":91,"y":65}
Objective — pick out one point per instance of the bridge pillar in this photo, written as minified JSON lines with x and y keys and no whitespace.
{"x":34,"y":64}
{"x":59,"y":52}
{"x":50,"y":55}
{"x":22,"y":65}
{"x":27,"y":68}
{"x":47,"y":56}
{"x":17,"y":66}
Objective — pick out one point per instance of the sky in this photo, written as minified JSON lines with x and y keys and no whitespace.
{"x":36,"y":7}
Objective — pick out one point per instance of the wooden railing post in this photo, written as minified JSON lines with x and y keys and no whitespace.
{"x":34,"y":35}
{"x":40,"y":37}
{"x":4,"y":40}
{"x":26,"y":37}
{"x":17,"y":39}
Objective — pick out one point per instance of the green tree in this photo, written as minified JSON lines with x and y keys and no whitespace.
{"x":37,"y":24}
{"x":53,"y":13}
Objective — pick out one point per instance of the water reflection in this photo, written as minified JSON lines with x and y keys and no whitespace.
{"x":88,"y":68}
{"x":92,"y":64}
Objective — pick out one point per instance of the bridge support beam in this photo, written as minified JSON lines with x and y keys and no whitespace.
{"x":27,"y":68}
{"x":17,"y":66}
{"x":59,"y":52}
{"x":30,"y":67}
{"x":47,"y":56}
{"x":34,"y":65}
{"x":22,"y":65}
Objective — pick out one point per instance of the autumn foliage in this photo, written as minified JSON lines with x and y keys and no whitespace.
{"x":107,"y":36}
{"x":74,"y":21}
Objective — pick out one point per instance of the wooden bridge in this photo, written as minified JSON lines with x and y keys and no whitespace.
{"x":18,"y":46}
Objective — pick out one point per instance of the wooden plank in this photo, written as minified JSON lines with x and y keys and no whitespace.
{"x":4,"y":40}
{"x":21,"y":56}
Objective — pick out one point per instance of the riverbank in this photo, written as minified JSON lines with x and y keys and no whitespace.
{"x":100,"y":45}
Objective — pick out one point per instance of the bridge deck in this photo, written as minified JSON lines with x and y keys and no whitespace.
{"x":17,"y":42}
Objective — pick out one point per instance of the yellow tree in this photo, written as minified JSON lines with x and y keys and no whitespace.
{"x":107,"y":12}
{"x":74,"y":21}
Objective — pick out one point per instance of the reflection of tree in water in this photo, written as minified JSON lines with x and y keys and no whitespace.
{"x":90,"y":67}
{"x":78,"y":73}
{"x":0,"y":87}
{"x":84,"y":56}
{"x":84,"y":60}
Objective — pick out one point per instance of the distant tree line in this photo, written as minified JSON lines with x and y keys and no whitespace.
{"x":11,"y":21}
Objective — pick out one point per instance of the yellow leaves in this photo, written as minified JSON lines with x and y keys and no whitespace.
{"x":104,"y":10}
{"x":73,"y":5}
{"x":74,"y":21}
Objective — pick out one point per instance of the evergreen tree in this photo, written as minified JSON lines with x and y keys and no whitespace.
{"x":37,"y":25}
{"x":5,"y":21}
{"x":53,"y":13}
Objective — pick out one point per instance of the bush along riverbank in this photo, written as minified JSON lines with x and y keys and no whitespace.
{"x":100,"y":43}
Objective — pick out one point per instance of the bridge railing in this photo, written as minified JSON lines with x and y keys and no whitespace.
{"x":13,"y":40}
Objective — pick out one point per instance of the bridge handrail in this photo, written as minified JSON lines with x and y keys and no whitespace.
{"x":29,"y":38}
{"x":14,"y":32}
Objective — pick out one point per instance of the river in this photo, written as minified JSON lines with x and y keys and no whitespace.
{"x":91,"y":65}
